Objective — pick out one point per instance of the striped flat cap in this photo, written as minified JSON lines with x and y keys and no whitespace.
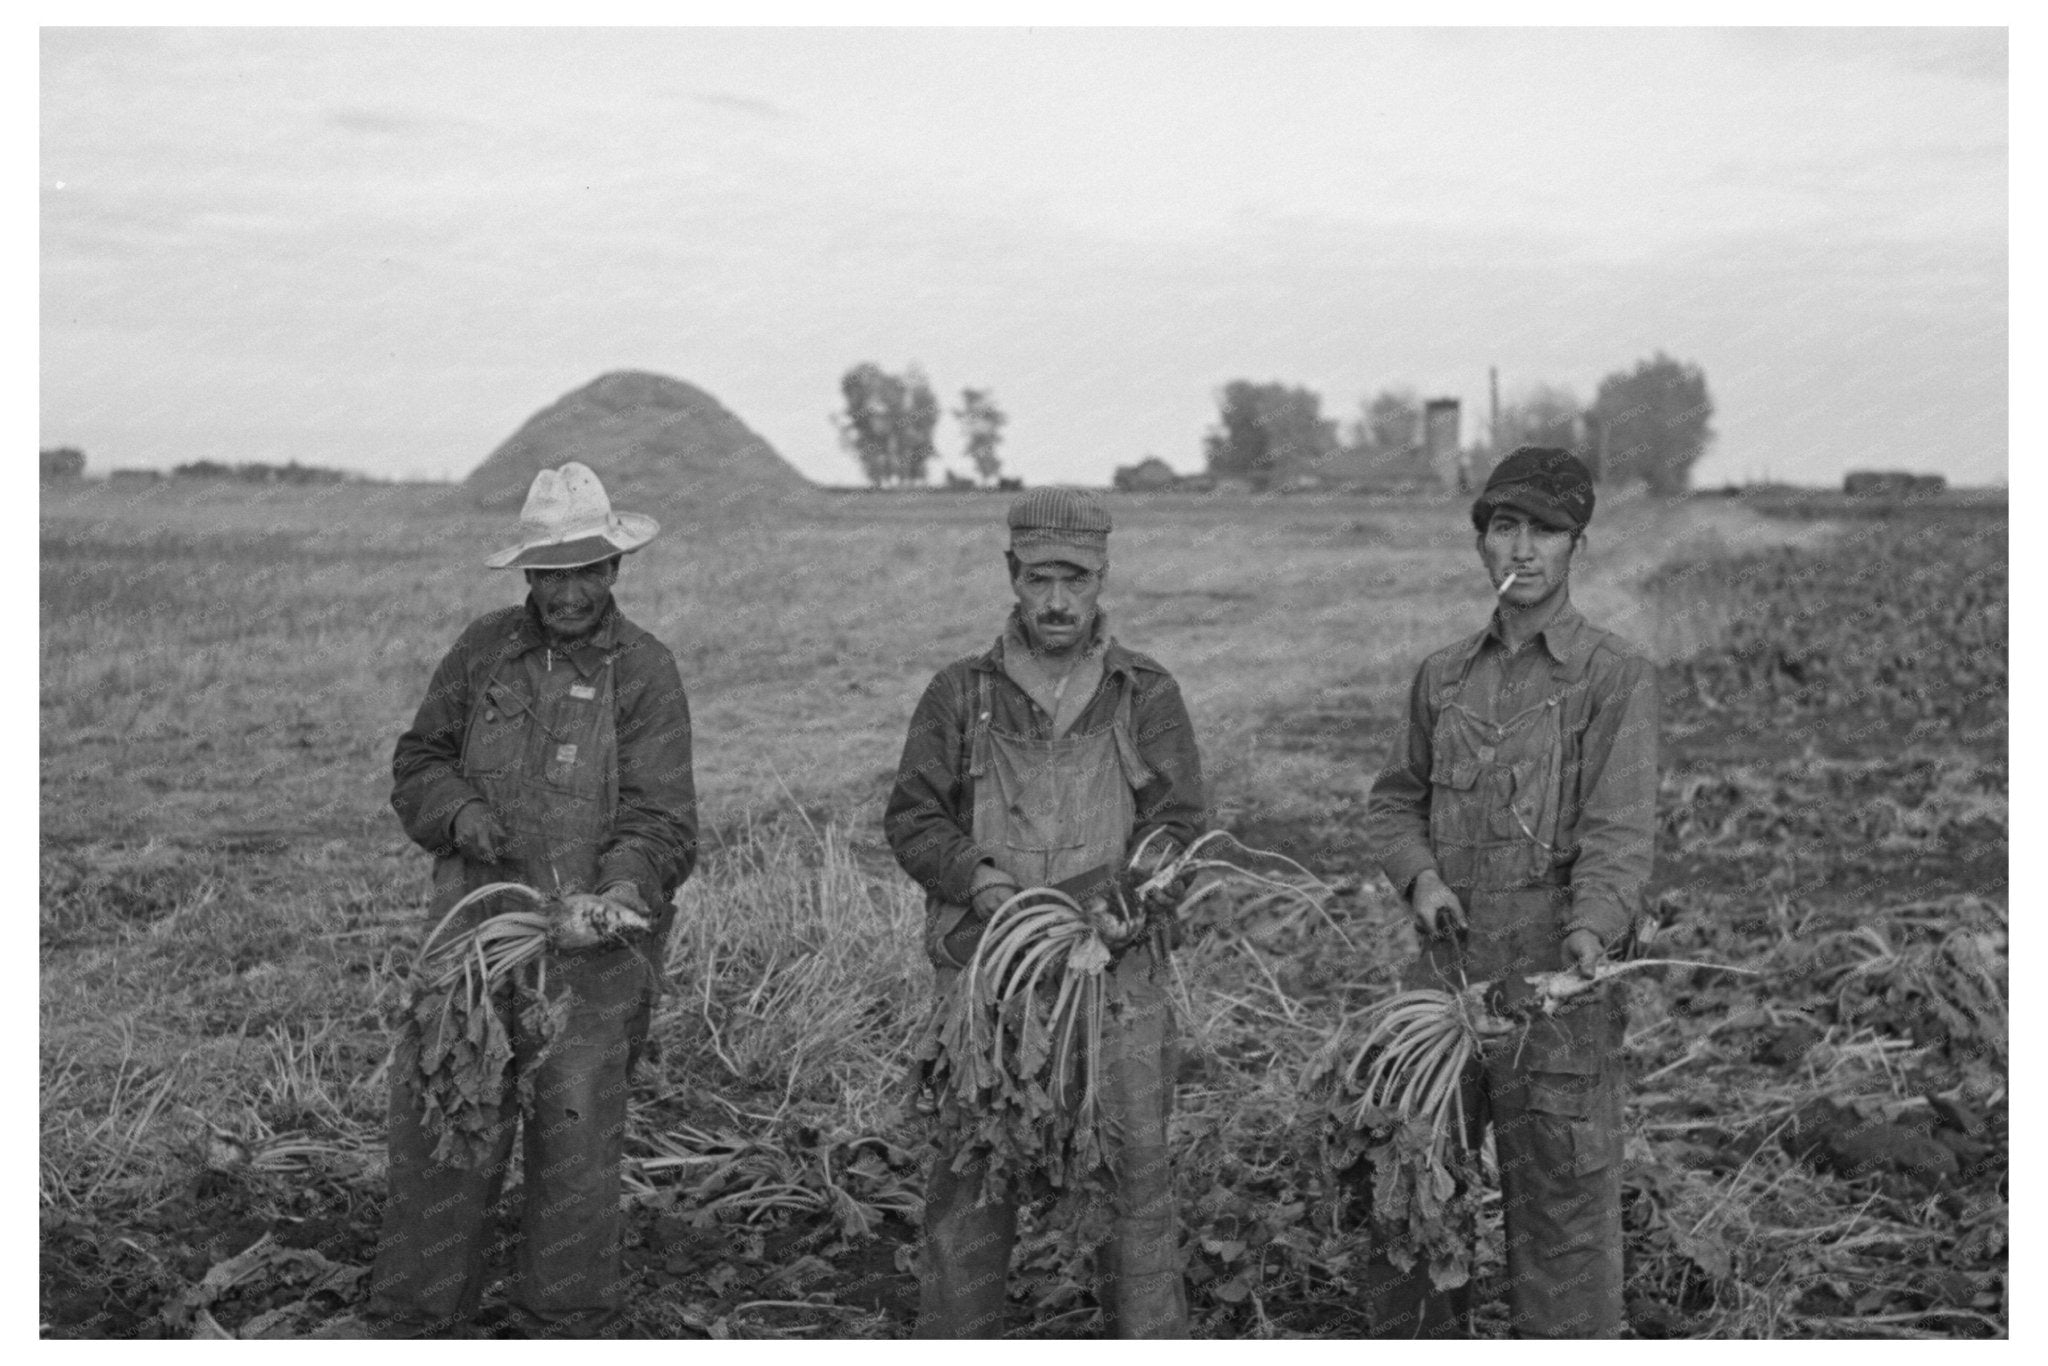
{"x":1071,"y":525}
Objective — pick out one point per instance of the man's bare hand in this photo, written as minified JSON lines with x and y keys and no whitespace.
{"x":626,"y":896}
{"x":478,"y":833}
{"x":992,"y":887}
{"x":1437,"y":908}
{"x":1583,"y":951}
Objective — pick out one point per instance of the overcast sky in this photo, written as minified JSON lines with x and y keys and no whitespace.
{"x":384,"y":249}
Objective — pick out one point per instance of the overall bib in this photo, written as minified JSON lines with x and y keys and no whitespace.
{"x":542,"y":749}
{"x":1046,"y":810}
{"x":1551,"y":1094}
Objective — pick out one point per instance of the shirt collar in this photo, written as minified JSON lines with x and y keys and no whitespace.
{"x":1560,"y":637}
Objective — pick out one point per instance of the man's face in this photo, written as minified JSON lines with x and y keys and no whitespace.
{"x":1057,"y":602}
{"x":1539,"y":556}
{"x":573,"y":601}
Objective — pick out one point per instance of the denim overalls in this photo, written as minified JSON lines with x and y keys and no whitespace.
{"x":542,"y":748}
{"x":1044,"y":811}
{"x":1551,"y":1094}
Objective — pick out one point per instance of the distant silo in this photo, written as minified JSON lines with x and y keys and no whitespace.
{"x":1440,"y":441}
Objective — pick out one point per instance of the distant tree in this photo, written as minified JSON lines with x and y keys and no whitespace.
{"x":1263,"y":429}
{"x":1652,"y":423}
{"x":921,"y":419}
{"x":1545,"y":416}
{"x":1388,"y":422}
{"x":982,"y":422}
{"x":888,"y":423}
{"x":60,"y":462}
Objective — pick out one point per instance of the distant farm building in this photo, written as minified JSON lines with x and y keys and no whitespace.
{"x":60,"y":462}
{"x":1440,"y":444}
{"x":1430,"y":460}
{"x":1150,"y":475}
{"x":1891,"y":484}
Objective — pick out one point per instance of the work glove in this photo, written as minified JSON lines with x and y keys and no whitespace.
{"x":479,"y":834}
{"x":1437,"y":908}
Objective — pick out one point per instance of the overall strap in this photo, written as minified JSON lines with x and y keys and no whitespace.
{"x":1136,"y":771}
{"x":977,"y":726}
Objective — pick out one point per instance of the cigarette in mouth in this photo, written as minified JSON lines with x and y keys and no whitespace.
{"x":1505,"y":585}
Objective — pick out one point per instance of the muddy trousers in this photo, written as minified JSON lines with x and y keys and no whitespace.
{"x":965,"y":1257}
{"x":1558,"y":1138}
{"x":429,"y":1273}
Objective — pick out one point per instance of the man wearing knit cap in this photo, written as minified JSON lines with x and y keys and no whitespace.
{"x":1517,"y":818}
{"x":552,"y":749}
{"x":1046,"y":760}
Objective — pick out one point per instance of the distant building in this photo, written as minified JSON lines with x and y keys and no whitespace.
{"x":1150,"y":475}
{"x":1445,"y":456}
{"x":60,"y":462}
{"x":1891,"y":483}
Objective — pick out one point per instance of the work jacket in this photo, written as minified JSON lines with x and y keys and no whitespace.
{"x":478,"y":689}
{"x":1577,"y":809}
{"x":930,"y":817}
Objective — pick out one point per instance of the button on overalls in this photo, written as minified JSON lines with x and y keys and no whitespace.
{"x":1046,"y":810}
{"x":542,"y":749}
{"x":1495,"y":812}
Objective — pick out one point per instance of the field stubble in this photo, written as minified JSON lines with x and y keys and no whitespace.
{"x":227,"y":906}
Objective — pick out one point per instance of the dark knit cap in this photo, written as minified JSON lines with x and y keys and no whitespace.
{"x":1548,"y":482}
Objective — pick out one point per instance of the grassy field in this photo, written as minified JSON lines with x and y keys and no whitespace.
{"x":227,"y":903}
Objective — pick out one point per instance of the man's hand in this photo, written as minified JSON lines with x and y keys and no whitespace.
{"x":1437,"y":908}
{"x":992,"y":887}
{"x":991,"y":890}
{"x":626,"y":896}
{"x":1583,"y":951}
{"x":478,"y":833}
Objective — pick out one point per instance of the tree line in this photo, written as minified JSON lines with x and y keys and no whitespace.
{"x":1649,"y":424}
{"x":68,"y":462}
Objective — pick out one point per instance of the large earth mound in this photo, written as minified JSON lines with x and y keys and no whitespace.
{"x":659,"y":445}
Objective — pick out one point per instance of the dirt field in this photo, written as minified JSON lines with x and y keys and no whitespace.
{"x":227,"y":903}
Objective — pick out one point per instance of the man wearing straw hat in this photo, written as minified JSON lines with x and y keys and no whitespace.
{"x":553,"y":749}
{"x":1045,"y":760}
{"x":1518,"y":818}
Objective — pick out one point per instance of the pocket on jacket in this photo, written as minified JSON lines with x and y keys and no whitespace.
{"x":496,"y":742}
{"x":1458,"y":774}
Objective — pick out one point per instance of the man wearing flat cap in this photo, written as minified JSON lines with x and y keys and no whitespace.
{"x":1046,"y":760}
{"x":553,"y":749}
{"x":1517,"y":818}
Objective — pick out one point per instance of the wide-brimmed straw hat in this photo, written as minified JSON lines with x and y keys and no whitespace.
{"x":568,"y":522}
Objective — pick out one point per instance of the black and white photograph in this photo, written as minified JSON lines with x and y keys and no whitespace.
{"x":1044,"y":675}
